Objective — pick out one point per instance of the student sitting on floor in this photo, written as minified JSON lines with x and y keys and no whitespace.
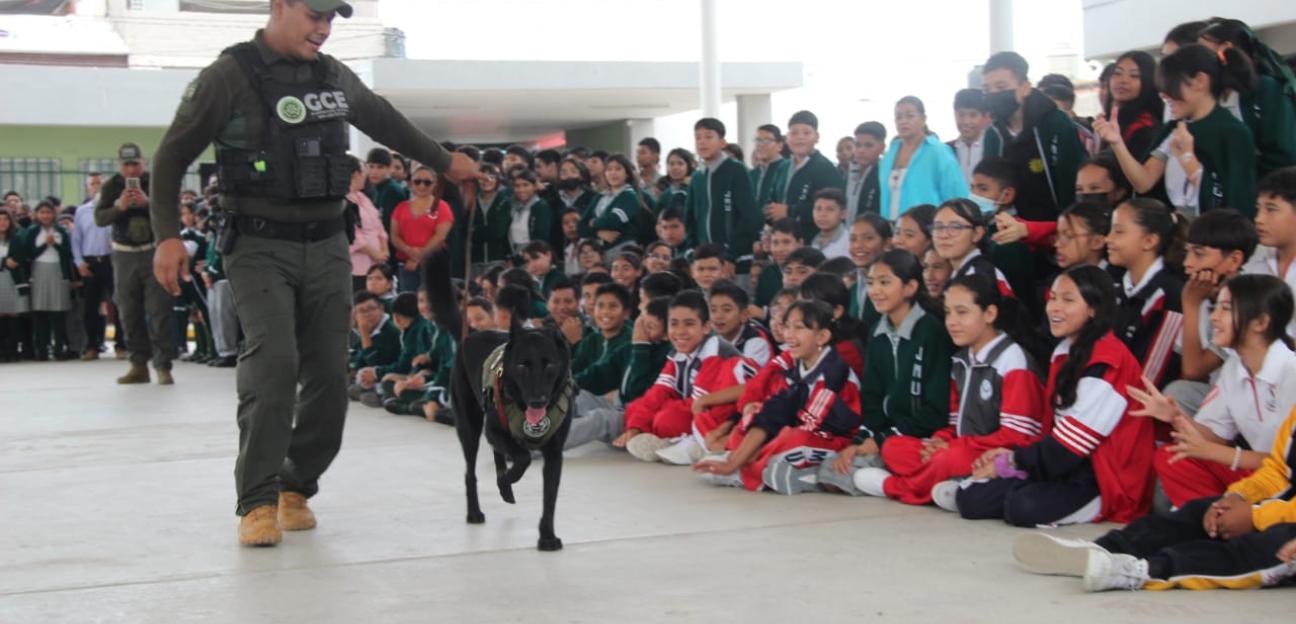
{"x":729,"y":318}
{"x":1219,"y":244}
{"x":425,"y":391}
{"x":539,"y":263}
{"x":481,"y":314}
{"x":601,"y":357}
{"x":870,"y":235}
{"x":379,"y":282}
{"x":1238,"y":541}
{"x":959,"y":235}
{"x":1147,"y":240}
{"x":415,"y":339}
{"x":648,"y":351}
{"x":1252,"y":394}
{"x":702,"y":363}
{"x":907,"y":364}
{"x":1095,"y":461}
{"x":1275,"y":223}
{"x":804,"y":406}
{"x":375,"y":341}
{"x":996,"y":398}
{"x":850,"y":337}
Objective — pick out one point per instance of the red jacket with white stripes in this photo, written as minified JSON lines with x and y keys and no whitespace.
{"x":1097,"y":429}
{"x":715,"y":365}
{"x":996,"y":399}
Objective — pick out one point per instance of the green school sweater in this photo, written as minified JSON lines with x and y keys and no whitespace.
{"x":1226,"y":150}
{"x":861,"y":307}
{"x":538,"y":221}
{"x":437,"y":372}
{"x":598,"y":363}
{"x":621,"y":216}
{"x":383,"y":349}
{"x":491,"y":229}
{"x":646,"y":362}
{"x":1271,"y":116}
{"x":672,"y":197}
{"x":32,"y":243}
{"x":816,"y":174}
{"x":769,"y":182}
{"x":721,"y":208}
{"x":385,"y":195}
{"x":768,"y":284}
{"x":905,"y":389}
{"x":549,"y":281}
{"x":414,"y":340}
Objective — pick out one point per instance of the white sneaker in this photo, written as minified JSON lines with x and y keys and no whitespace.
{"x":1042,"y":553}
{"x":644,"y":447}
{"x":686,"y":452}
{"x":945,"y":495}
{"x":785,"y":478}
{"x":870,"y":480}
{"x":1106,"y":571}
{"x":731,"y":480}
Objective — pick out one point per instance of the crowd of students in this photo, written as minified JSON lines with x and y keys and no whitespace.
{"x":1047,"y":320}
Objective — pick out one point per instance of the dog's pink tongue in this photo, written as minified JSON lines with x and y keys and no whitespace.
{"x":534,"y":415}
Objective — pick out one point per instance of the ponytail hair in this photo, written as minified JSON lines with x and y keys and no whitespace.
{"x":908,"y":268}
{"x":1265,"y":60}
{"x":831,"y":291}
{"x":1099,"y":293}
{"x":1227,"y":69}
{"x":913,"y":101}
{"x":1096,"y":217}
{"x":1169,"y":226}
{"x":1012,"y":319}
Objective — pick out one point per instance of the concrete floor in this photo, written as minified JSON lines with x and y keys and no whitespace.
{"x":118,"y":507}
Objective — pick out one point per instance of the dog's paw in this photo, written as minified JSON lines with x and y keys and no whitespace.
{"x":506,"y":493}
{"x":549,"y":544}
{"x":476,"y":517}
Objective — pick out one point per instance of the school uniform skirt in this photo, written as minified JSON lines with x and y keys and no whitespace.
{"x":49,"y":291}
{"x":11,"y":302}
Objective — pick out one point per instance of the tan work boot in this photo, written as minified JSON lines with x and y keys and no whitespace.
{"x":165,"y":378}
{"x":294,"y":513}
{"x":136,"y":375}
{"x":260,"y":527}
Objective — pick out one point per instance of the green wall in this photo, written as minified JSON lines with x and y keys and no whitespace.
{"x":72,"y":144}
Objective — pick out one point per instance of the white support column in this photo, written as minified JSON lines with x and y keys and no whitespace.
{"x":754,"y":111}
{"x":710,"y":69}
{"x":1001,"y":25}
{"x":640,"y":129}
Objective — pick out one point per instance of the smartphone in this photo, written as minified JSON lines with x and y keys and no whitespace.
{"x":132,"y":184}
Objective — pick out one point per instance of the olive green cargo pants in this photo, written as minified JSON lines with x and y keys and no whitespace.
{"x":294,"y":302}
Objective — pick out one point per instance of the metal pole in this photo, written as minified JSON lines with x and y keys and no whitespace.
{"x":710,"y":70}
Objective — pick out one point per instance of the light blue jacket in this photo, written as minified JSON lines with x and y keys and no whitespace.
{"x":933,"y":177}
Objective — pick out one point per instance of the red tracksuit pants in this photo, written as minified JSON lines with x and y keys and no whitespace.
{"x":1190,"y":479}
{"x":912,"y":480}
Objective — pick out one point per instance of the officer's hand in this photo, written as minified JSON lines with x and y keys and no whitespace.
{"x":170,"y":265}
{"x":462,"y":168}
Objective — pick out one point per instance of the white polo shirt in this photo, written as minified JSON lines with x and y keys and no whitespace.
{"x":1252,"y":407}
{"x":1265,"y":262}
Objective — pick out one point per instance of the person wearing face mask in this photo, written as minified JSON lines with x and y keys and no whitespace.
{"x":1099,"y":181}
{"x":917,"y":168}
{"x":574,"y":185}
{"x":1040,"y":140}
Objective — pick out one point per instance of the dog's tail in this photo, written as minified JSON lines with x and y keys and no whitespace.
{"x":442,"y":295}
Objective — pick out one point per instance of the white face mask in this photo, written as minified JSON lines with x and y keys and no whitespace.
{"x":987,"y":206}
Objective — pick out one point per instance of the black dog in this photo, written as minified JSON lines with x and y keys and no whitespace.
{"x":517,"y":386}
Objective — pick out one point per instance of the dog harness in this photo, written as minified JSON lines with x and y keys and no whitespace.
{"x":512,"y":416}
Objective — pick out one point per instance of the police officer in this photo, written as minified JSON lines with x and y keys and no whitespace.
{"x":142,"y":304}
{"x":277,"y":111}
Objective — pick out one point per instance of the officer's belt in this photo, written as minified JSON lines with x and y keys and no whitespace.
{"x":307,"y":232}
{"x":124,"y":248}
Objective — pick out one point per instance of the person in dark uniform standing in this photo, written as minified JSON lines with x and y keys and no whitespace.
{"x":126,"y":204}
{"x":278,"y":111}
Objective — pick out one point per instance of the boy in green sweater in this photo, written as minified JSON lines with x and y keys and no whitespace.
{"x":784,"y":238}
{"x":600,"y":357}
{"x":415,"y":339}
{"x":595,"y":418}
{"x":375,"y":341}
{"x":721,"y":206}
{"x":383,"y":190}
{"x":425,"y":391}
{"x":811,"y":172}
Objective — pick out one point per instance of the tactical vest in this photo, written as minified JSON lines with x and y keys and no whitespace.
{"x":304,"y":148}
{"x":511,"y":415}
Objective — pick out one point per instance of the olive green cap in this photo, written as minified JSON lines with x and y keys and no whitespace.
{"x":324,"y":6}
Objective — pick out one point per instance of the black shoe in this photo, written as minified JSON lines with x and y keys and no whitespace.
{"x":223,"y":362}
{"x":395,"y":406}
{"x":64,"y":356}
{"x":445,"y":416}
